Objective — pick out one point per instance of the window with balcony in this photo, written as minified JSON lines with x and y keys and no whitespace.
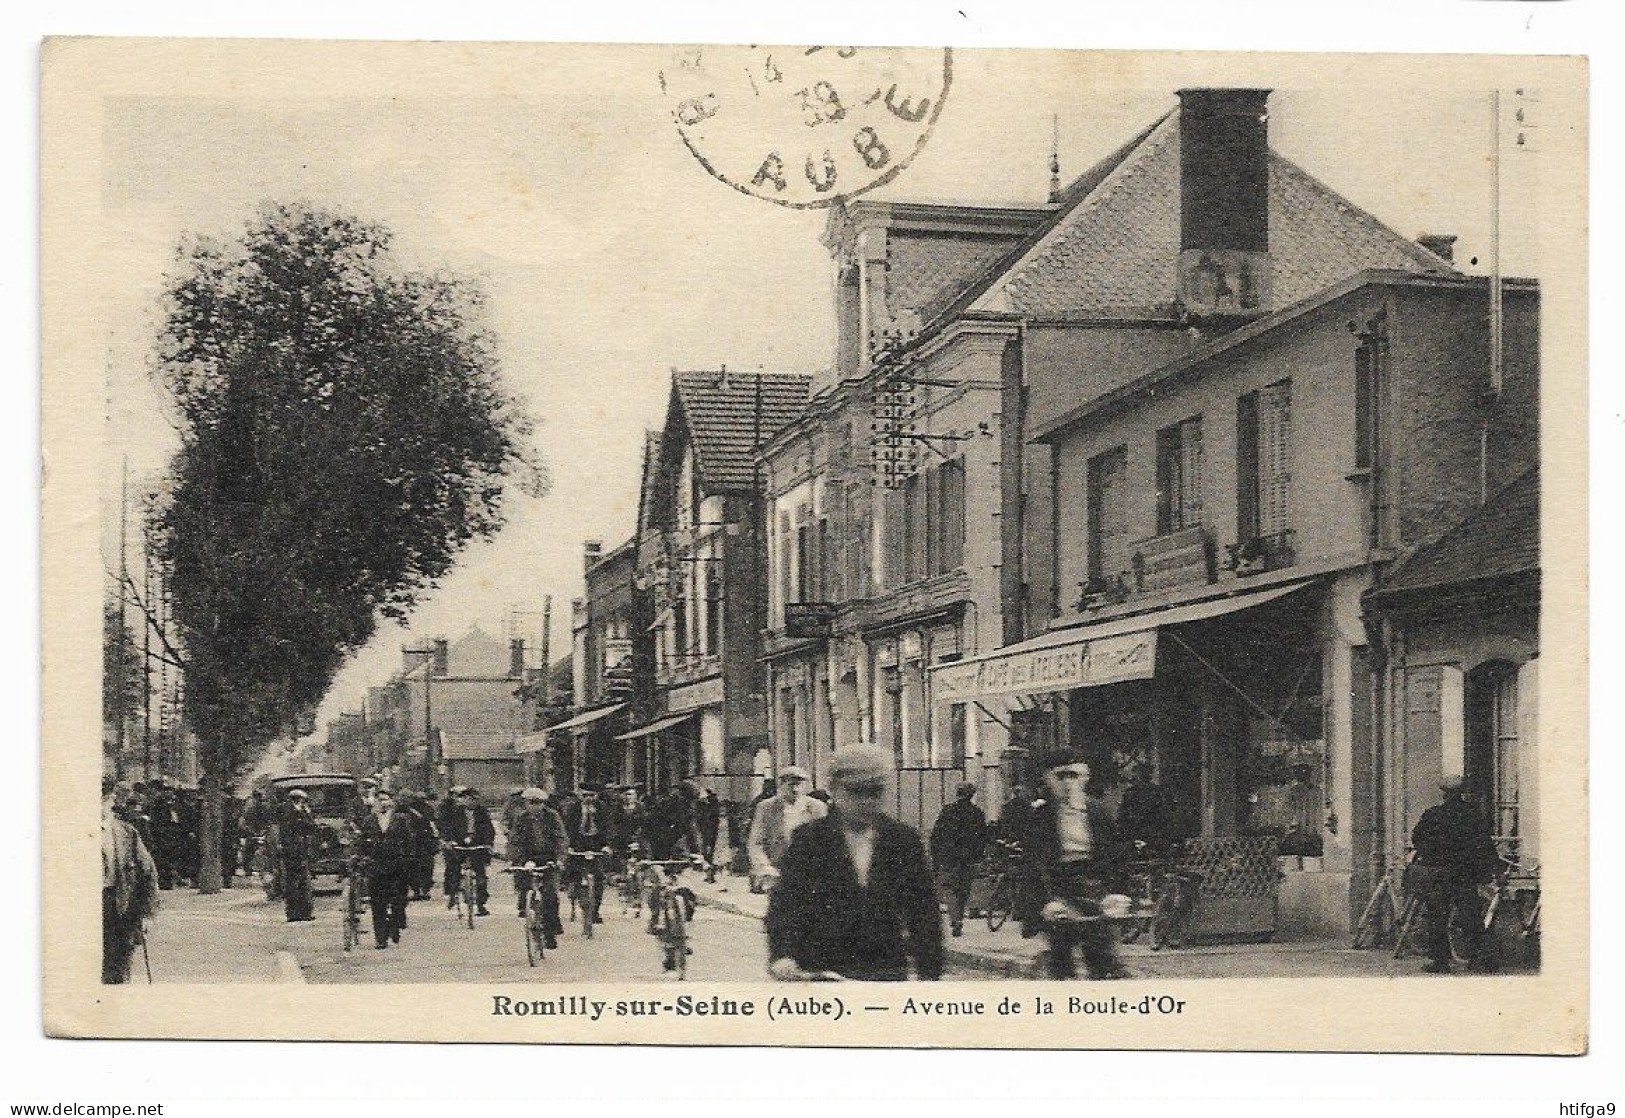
{"x":1108,"y":514}
{"x":1264,"y":472}
{"x":1179,"y":476}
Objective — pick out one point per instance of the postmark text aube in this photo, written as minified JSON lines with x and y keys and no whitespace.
{"x":805,"y":126}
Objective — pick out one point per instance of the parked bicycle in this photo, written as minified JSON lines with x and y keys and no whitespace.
{"x":1163,"y":900}
{"x":585,"y":886}
{"x":1006,"y":863}
{"x":466,"y":900}
{"x":671,"y":907}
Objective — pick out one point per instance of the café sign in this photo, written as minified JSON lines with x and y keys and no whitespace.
{"x":1061,"y":667}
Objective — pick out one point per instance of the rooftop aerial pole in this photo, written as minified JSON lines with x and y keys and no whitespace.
{"x":1495,"y":243}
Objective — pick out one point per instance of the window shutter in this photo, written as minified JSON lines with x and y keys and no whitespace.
{"x":1247,"y":467}
{"x":1190,"y":472}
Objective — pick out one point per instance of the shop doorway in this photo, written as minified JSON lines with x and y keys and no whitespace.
{"x":1490,"y":753}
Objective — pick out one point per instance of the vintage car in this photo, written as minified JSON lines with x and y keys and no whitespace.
{"x":335,"y":800}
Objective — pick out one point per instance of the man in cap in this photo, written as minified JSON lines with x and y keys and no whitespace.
{"x":588,"y":823}
{"x":538,"y":837}
{"x":471,"y":826}
{"x":776,"y":821}
{"x":129,"y":888}
{"x":387,"y":842}
{"x":855,"y":895}
{"x":1454,"y":855}
{"x":957,"y":839}
{"x":1069,"y":850}
{"x":296,"y":834}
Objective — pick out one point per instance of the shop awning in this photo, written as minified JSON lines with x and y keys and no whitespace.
{"x":1084,"y":655}
{"x":586,"y":719}
{"x":531,"y":743}
{"x":654,"y":727}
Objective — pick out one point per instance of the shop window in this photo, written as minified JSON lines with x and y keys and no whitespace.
{"x":1179,"y":476}
{"x":1281,"y":775}
{"x":1108,"y":514}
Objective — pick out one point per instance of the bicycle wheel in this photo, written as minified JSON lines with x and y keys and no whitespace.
{"x":1164,"y":917}
{"x":676,"y":936}
{"x":352,"y":922}
{"x":581,"y":904}
{"x":535,"y":936}
{"x":468,"y":892}
{"x":1000,"y":900}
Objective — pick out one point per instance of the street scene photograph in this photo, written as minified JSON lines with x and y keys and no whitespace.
{"x":821,"y":514}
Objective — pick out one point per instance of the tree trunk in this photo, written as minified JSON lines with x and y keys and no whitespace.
{"x":209,"y":820}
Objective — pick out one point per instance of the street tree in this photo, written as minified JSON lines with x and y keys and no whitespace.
{"x":344,"y":435}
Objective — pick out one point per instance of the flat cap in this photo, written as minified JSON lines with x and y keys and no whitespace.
{"x":1060,"y":759}
{"x":859,"y":762}
{"x":794,"y":772}
{"x":533,"y":794}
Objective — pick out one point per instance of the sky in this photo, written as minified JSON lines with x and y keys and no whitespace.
{"x":610,"y":256}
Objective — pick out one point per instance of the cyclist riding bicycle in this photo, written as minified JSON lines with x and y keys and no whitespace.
{"x":538,"y":837}
{"x":588,"y":823}
{"x":469,"y":825}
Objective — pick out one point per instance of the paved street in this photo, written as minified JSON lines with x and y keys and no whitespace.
{"x":238,"y":936}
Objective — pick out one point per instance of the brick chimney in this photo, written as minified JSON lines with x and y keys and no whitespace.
{"x":440,"y":663}
{"x":1442,"y":245}
{"x":516,"y":658}
{"x":591,"y":552}
{"x":1224,"y":226}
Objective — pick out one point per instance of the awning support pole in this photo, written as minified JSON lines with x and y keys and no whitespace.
{"x":1246,"y":698}
{"x":993,"y":716}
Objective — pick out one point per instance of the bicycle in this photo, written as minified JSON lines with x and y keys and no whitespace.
{"x":354,"y":902}
{"x":1389,"y":914}
{"x":631,"y":886}
{"x":670,"y":910}
{"x":1163,"y":900}
{"x":584,"y":888}
{"x":1001,"y":895}
{"x":466,"y":900}
{"x":540,"y":880}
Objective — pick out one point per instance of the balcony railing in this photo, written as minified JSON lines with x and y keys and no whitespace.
{"x":1261,"y":553}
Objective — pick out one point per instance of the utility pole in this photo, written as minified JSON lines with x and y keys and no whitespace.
{"x":123,"y":651}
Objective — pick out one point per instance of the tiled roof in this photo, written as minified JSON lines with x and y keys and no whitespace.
{"x":727,"y":415}
{"x":952,"y":302}
{"x":1502,"y":538}
{"x":1113,"y":251}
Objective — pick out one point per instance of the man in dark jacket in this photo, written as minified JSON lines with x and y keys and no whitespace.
{"x":388,"y":840}
{"x":469,"y":825}
{"x":539,"y":837}
{"x":425,"y":844}
{"x":1070,"y":850}
{"x":296,"y":838}
{"x":957,"y":840}
{"x":855,"y":895}
{"x":1454,"y":855}
{"x":588,"y":823}
{"x":1143,"y":817}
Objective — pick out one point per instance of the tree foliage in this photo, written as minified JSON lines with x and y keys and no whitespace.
{"x":344,"y":435}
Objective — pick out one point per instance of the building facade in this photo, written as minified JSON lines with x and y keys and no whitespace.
{"x":701,"y":569}
{"x":1220,"y":521}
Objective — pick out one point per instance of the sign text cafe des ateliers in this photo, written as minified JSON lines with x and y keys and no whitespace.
{"x":1060,"y":667}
